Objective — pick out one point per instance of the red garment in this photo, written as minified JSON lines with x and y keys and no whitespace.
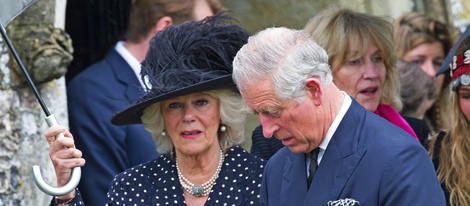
{"x":389,"y":113}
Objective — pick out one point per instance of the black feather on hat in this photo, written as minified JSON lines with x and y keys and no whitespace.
{"x":191,"y":57}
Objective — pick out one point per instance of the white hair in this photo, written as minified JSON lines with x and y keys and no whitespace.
{"x":286,"y":56}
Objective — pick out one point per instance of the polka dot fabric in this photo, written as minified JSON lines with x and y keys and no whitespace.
{"x":156,"y":183}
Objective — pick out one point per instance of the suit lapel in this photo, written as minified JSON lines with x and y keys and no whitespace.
{"x":339,"y":160}
{"x":125,"y":75}
{"x":294,"y":180}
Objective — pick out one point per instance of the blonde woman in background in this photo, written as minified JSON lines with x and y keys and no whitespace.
{"x":425,"y":41}
{"x":362,"y":57}
{"x":450,"y":150}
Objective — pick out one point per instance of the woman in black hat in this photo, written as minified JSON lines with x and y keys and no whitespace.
{"x":196,"y":116}
{"x":450,"y":150}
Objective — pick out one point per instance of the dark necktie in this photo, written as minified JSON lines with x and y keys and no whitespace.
{"x":313,"y":165}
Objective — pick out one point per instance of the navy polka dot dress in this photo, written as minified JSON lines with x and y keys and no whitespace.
{"x":156,"y":183}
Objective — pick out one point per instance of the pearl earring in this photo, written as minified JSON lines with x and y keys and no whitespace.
{"x":163,"y":133}
{"x":223,"y":128}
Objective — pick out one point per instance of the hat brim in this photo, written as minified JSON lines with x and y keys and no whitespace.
{"x":133,"y":113}
{"x":445,"y":66}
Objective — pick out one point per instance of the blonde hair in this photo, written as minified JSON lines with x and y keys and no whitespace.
{"x":413,"y":29}
{"x":233,"y":112}
{"x":338,"y":31}
{"x":454,"y":156}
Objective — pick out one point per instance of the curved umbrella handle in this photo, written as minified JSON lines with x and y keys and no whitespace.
{"x":56,"y":191}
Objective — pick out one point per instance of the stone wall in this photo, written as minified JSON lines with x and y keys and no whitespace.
{"x":45,"y":51}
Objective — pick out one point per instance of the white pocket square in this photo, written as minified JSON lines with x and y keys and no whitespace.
{"x":344,"y":202}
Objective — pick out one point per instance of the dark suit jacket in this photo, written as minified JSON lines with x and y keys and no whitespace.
{"x":94,"y":96}
{"x":368,"y":159}
{"x":264,"y":147}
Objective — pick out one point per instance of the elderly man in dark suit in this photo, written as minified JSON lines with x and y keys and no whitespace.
{"x":337,"y":153}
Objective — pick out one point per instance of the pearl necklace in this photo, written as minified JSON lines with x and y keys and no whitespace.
{"x":203,"y":189}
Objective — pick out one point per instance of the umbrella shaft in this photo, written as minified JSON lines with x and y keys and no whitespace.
{"x":23,"y":69}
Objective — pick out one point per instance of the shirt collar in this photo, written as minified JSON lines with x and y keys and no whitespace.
{"x":130,"y":59}
{"x":334,"y":125}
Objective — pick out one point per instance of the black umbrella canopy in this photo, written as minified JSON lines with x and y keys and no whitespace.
{"x":9,"y":9}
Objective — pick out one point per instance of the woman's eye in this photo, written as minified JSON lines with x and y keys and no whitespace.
{"x":201,"y":102}
{"x":174,"y":105}
{"x":465,"y":96}
{"x":377,"y":59}
{"x":437,"y":63}
{"x":354,"y":62}
{"x":417,"y":62}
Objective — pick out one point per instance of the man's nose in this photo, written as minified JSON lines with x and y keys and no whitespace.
{"x":268,"y":126}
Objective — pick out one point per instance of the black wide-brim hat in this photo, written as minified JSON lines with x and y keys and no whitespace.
{"x":188,"y":58}
{"x":132,"y":114}
{"x":450,"y":55}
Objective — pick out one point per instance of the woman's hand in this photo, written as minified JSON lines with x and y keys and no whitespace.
{"x":64,"y":155}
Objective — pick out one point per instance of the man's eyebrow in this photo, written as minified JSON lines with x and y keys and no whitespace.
{"x":269,"y":109}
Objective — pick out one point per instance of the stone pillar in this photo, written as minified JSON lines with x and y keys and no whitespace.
{"x":46,"y":52}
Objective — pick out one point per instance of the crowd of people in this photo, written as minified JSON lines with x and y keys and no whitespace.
{"x":355,"y":109}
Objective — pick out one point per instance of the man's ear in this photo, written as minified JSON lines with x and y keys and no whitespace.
{"x":314,"y":89}
{"x":161,"y":24}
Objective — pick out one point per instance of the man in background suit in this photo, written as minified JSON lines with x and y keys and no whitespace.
{"x":350,"y":155}
{"x":110,"y":85}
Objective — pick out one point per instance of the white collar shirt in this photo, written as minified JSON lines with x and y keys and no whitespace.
{"x":130,"y":59}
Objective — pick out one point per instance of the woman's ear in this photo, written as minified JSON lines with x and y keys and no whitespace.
{"x":314,"y":90}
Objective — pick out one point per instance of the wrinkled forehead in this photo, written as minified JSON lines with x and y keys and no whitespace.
{"x":259,"y":94}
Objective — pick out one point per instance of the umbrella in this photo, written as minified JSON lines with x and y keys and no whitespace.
{"x":9,"y":9}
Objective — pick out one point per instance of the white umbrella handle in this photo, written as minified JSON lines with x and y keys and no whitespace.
{"x":56,"y":191}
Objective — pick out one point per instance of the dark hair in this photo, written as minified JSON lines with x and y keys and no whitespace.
{"x":144,"y":14}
